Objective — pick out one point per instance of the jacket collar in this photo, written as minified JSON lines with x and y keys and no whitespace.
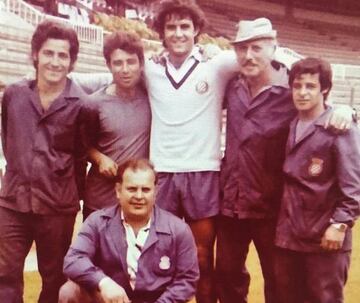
{"x":318,"y":122}
{"x":159,"y":225}
{"x":71,"y":93}
{"x":159,"y":221}
{"x":277,"y":85}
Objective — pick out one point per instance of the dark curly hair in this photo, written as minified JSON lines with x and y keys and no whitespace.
{"x":312,"y":65}
{"x":182,"y":8}
{"x":49,"y":29}
{"x":128,"y":42}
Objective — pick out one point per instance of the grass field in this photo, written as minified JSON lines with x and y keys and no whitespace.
{"x":352,"y":290}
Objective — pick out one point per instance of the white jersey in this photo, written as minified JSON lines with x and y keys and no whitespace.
{"x":186,"y":106}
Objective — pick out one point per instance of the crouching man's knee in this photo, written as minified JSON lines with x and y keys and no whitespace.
{"x":71,"y":292}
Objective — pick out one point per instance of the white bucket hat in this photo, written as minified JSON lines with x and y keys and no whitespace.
{"x":254,"y":29}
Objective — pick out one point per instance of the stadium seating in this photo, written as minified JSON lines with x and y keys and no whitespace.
{"x":306,"y":39}
{"x":15,"y":59}
{"x":338,"y":43}
{"x":291,"y":34}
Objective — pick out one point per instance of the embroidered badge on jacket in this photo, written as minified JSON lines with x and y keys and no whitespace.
{"x":202,"y":87}
{"x":164,"y":263}
{"x":316,"y":167}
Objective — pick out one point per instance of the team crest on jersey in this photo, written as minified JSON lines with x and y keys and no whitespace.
{"x":164,"y":263}
{"x":202,"y":87}
{"x":316,"y":167}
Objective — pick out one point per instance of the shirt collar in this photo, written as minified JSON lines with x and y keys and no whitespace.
{"x":71,"y":90}
{"x":319,"y":121}
{"x":194,"y":54}
{"x":323,"y":117}
{"x":145,"y":227}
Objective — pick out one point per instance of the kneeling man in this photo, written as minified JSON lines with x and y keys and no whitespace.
{"x":134,"y":251}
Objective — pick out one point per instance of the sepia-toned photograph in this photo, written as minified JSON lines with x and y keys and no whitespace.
{"x":179,"y":151}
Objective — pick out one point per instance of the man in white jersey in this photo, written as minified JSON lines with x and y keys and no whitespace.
{"x":186,"y":94}
{"x":186,"y":99}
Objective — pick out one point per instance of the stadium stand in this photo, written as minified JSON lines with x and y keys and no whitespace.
{"x":310,"y":33}
{"x":339,"y":45}
{"x":300,"y":36}
{"x":15,"y":34}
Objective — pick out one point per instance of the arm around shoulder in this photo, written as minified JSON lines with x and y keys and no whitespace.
{"x":226,"y":63}
{"x":90,"y":83}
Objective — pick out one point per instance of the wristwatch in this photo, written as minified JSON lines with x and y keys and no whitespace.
{"x":342,"y":227}
{"x":355,"y":115}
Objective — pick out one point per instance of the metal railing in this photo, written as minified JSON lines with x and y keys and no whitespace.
{"x":86,"y":32}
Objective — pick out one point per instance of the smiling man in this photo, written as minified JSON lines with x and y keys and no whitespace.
{"x":134,"y":251}
{"x":42,"y":145}
{"x":120,"y":124}
{"x":321,"y":198}
{"x":259,"y":111}
{"x":186,"y":94}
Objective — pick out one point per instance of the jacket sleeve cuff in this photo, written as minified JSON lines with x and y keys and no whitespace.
{"x":342,"y":217}
{"x":93,"y":283}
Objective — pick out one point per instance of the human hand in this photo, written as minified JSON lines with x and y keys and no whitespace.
{"x":340,"y":119}
{"x":30,"y":76}
{"x":107,"y":166}
{"x":159,"y":58}
{"x":111,"y":292}
{"x":208,"y":51}
{"x":333,"y":238}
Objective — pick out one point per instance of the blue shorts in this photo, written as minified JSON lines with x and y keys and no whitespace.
{"x":189,"y":195}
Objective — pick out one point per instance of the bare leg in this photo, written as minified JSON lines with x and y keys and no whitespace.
{"x":204,"y":232}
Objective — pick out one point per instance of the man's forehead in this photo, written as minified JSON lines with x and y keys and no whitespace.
{"x":56,"y":43}
{"x":123,"y":54}
{"x":313,"y":77}
{"x":178,"y":17}
{"x":137,"y":175}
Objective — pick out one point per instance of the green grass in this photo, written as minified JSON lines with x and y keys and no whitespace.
{"x":352,"y":290}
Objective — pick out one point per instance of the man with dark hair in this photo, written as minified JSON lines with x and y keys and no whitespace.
{"x":59,"y":31}
{"x":186,"y":94}
{"x":121,"y":117}
{"x":182,"y":8}
{"x":259,"y":110}
{"x":313,"y":66}
{"x":134,"y":251}
{"x":42,"y":144}
{"x":321,"y":198}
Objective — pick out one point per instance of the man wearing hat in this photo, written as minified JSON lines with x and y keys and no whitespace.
{"x":259,"y":110}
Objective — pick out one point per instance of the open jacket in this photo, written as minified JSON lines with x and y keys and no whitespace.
{"x":167,"y":268}
{"x":44,"y":150}
{"x":322,"y":185}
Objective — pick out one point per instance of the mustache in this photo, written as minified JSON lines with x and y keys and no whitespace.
{"x":249,"y":62}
